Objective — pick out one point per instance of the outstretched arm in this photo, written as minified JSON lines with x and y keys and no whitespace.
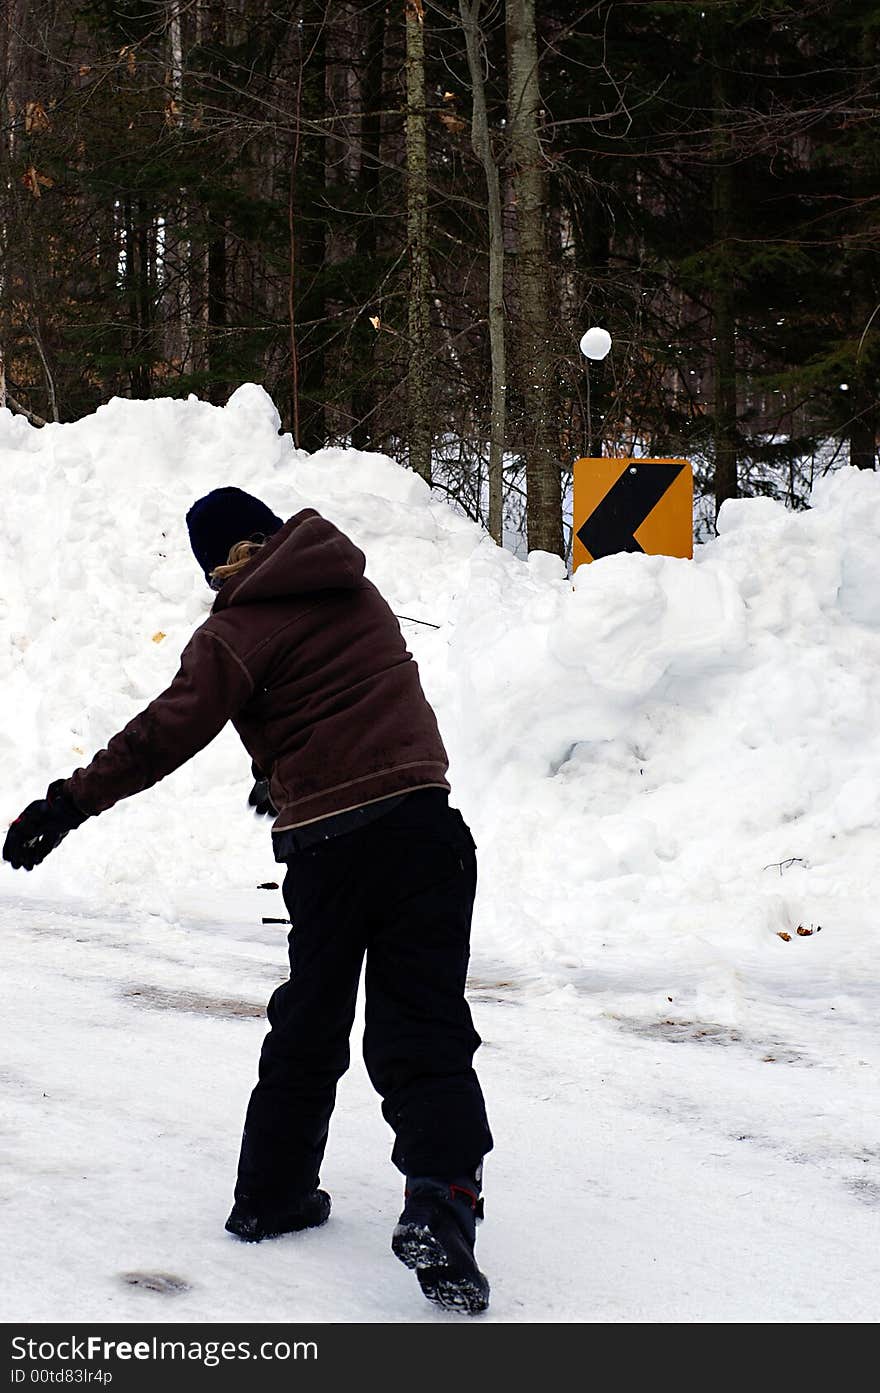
{"x":211,"y":685}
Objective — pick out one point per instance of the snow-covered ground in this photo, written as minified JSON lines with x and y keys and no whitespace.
{"x":667,"y":765}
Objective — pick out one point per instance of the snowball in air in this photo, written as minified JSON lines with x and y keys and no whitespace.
{"x":596,"y":343}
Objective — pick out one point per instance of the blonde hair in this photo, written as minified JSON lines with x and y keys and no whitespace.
{"x":239,"y":555}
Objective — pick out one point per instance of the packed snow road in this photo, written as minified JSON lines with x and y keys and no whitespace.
{"x":665,"y":1170}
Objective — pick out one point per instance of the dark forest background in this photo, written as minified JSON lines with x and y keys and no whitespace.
{"x":400,"y":218}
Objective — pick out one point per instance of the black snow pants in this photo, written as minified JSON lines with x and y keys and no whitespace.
{"x":399,"y":892}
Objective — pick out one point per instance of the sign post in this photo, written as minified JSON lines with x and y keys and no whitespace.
{"x":644,"y":505}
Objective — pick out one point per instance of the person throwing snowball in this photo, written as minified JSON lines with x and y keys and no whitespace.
{"x":304,"y":656}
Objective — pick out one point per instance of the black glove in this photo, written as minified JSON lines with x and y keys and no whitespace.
{"x":41,"y":827}
{"x":259,"y":799}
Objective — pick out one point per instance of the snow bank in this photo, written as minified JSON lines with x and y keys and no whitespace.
{"x":666,"y":763}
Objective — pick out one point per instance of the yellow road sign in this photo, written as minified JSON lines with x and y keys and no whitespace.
{"x":642,"y":505}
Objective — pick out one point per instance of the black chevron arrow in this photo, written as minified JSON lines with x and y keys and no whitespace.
{"x":613,"y":522}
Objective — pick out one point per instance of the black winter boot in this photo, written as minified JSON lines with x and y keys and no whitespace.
{"x":435,"y":1236}
{"x":252,"y":1224}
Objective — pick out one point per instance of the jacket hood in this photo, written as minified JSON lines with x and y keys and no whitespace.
{"x":307,"y":554}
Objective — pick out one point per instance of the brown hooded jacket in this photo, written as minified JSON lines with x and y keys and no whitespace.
{"x":306,"y":659}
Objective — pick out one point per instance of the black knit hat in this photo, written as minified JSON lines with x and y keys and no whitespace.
{"x":222,"y":518}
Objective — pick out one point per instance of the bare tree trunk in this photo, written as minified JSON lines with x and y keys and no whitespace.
{"x":364,"y":394}
{"x":34,"y":331}
{"x":292,"y":268}
{"x":177,"y":249}
{"x":863,"y":428}
{"x":311,"y":236}
{"x":7,"y":110}
{"x":418,"y":419}
{"x":139,"y":385}
{"x":175,"y":36}
{"x":197,"y":259}
{"x":535,"y":363}
{"x":724,"y":358}
{"x":217,"y":316}
{"x":217,"y":290}
{"x":482,"y":144}
{"x":863,"y":279}
{"x":17,"y":298}
{"x":146,"y":252}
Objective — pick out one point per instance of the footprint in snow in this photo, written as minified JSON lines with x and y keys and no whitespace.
{"x":156,"y":1281}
